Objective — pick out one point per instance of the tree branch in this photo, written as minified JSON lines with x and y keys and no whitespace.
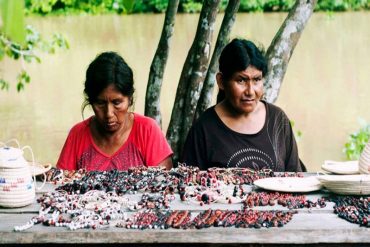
{"x":153,"y":90}
{"x":222,"y":40}
{"x":192,"y":76}
{"x":283,"y":44}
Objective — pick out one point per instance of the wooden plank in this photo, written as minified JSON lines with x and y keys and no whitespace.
{"x":304,"y":229}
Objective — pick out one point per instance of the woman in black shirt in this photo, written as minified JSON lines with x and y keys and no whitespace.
{"x":242,"y":130}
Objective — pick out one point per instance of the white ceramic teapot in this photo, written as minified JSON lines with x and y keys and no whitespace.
{"x":17,"y":187}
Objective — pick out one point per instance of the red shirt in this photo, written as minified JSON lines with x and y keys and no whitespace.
{"x":146,"y":145}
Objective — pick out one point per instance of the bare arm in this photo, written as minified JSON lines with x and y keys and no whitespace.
{"x":166,"y":163}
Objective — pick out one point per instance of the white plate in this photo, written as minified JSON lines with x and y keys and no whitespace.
{"x":289,"y":184}
{"x":345,"y":168}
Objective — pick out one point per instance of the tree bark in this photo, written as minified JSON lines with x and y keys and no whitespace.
{"x":192,"y":77}
{"x":283,"y":44}
{"x":153,"y":90}
{"x":222,"y":40}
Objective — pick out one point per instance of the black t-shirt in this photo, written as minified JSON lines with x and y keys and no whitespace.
{"x":210,"y":143}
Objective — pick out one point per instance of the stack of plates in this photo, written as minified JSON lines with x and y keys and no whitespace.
{"x":338,"y":167}
{"x":346,"y":184}
{"x":364,"y":162}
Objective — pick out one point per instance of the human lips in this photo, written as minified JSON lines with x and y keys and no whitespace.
{"x":110,"y":124}
{"x":247,"y":100}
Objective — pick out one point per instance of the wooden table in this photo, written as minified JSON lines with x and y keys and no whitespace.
{"x":318,"y":226}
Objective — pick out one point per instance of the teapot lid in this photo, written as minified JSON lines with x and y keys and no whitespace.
{"x":9,"y":154}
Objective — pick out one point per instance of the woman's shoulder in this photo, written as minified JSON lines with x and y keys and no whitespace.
{"x":144,"y":124}
{"x":208,"y":116}
{"x":82,"y":126}
{"x":275,"y":111}
{"x":143,"y":120}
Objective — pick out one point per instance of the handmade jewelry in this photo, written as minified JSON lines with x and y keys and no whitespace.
{"x":216,"y":192}
{"x":148,"y":219}
{"x":291,"y":201}
{"x":354,"y":209}
{"x":56,"y":175}
{"x":153,"y":201}
{"x":93,"y":199}
{"x":94,"y":210}
{"x":156,"y":179}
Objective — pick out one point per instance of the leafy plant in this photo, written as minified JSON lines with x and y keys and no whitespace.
{"x":357,"y":141}
{"x":192,"y":7}
{"x":297,"y":133}
{"x":28,"y":53}
{"x":44,"y":7}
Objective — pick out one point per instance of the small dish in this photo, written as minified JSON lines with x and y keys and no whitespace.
{"x":289,"y":184}
{"x":338,"y":167}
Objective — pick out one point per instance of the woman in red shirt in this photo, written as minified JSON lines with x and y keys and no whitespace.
{"x":115,"y":137}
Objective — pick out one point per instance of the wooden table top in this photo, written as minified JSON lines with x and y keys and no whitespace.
{"x":308,"y":226}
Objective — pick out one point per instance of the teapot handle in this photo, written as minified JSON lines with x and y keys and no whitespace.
{"x":5,"y":144}
{"x":33,"y":168}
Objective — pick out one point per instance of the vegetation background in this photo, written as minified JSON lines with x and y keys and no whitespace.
{"x":45,"y":7}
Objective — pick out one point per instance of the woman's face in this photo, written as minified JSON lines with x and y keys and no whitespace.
{"x":243,"y":90}
{"x":111,"y":109}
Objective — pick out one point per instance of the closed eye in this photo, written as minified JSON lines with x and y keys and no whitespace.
{"x":99,"y":102}
{"x":117,"y":102}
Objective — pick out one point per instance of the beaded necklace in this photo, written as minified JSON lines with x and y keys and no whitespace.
{"x":354,"y":209}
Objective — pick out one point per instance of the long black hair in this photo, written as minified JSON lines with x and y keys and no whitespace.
{"x":237,"y":56}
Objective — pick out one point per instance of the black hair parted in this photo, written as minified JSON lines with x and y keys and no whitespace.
{"x":238,"y":55}
{"x":108,"y":68}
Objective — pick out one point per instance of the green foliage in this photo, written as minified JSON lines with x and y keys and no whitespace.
{"x":41,"y":6}
{"x":357,"y":142}
{"x":192,"y":7}
{"x":13,"y":20}
{"x":4,"y":85}
{"x":44,"y":7}
{"x":27,"y":52}
{"x":155,"y":6}
{"x":22,"y":79}
{"x":127,"y":5}
{"x":342,"y":5}
{"x":297,"y":133}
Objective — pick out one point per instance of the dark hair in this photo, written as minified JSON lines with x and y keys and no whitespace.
{"x":237,"y":56}
{"x":107,"y":68}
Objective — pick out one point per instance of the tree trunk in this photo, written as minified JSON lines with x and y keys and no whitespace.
{"x":153,"y":90}
{"x":283,"y":44}
{"x":192,"y":77}
{"x":222,"y":40}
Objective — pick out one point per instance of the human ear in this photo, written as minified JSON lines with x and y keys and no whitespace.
{"x":219,"y":80}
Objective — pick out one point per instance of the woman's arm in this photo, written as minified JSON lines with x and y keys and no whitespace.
{"x":166,"y":163}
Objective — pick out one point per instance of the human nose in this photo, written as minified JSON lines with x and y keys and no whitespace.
{"x":248,"y":87}
{"x":109,"y":110}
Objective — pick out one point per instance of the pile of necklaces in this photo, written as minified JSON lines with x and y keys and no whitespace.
{"x":355,"y":209}
{"x":103,"y":199}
